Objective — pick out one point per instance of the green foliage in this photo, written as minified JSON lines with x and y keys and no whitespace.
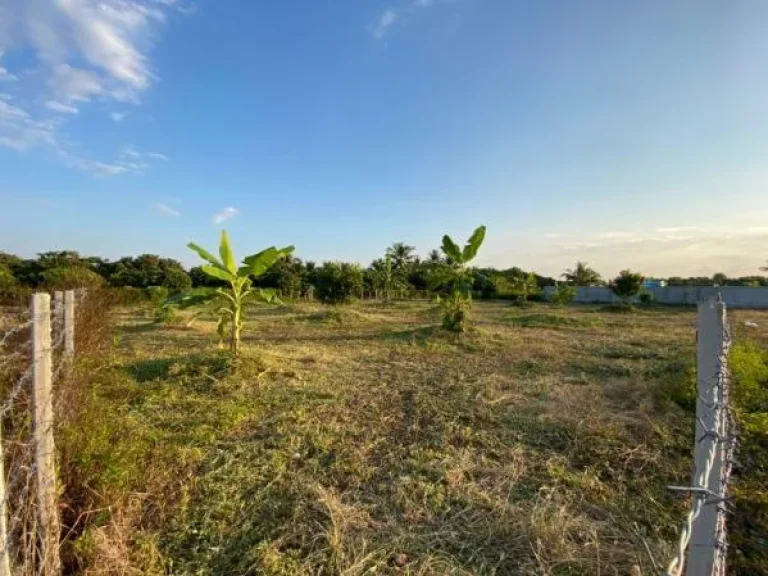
{"x":646,"y":298}
{"x":157,"y":294}
{"x":582,"y":275}
{"x":627,"y":284}
{"x":455,"y":308}
{"x":563,"y":295}
{"x":458,"y":278}
{"x":338,"y":282}
{"x":749,"y":368}
{"x":62,"y":278}
{"x":401,"y":255}
{"x":229,"y":302}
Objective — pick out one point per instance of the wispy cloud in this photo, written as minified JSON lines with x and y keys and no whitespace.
{"x":383,"y":23}
{"x":224,"y":215}
{"x":6,"y":76}
{"x":83,"y":50}
{"x":129,"y":161}
{"x":57,"y":106}
{"x":118,"y":116}
{"x":166,"y":210}
{"x":389,"y":17}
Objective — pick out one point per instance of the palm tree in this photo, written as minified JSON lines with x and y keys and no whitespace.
{"x":434,"y":257}
{"x":402,"y":255}
{"x":582,"y":275}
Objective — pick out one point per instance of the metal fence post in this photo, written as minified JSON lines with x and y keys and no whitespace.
{"x":45,"y":469}
{"x":704,"y":548}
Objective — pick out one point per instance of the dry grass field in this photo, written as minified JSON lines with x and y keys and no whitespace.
{"x":365,"y":440}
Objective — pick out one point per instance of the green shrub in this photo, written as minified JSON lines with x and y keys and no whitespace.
{"x":157,"y":294}
{"x":70,"y":278}
{"x":338,"y":282}
{"x":646,"y":298}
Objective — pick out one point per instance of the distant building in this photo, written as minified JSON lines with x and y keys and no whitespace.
{"x":654,"y":283}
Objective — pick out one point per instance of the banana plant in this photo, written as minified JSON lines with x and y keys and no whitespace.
{"x":229,"y":300}
{"x":457,"y":277}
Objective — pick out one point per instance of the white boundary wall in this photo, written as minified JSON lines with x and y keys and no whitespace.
{"x":733,"y":296}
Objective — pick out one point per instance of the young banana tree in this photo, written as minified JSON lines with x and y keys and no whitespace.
{"x":457,"y":277}
{"x":237,"y":286}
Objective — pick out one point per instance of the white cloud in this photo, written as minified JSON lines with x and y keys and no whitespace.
{"x":224,"y":215}
{"x":386,"y":19}
{"x":676,"y":229}
{"x":57,"y":106}
{"x":383,"y":23}
{"x":6,"y":76}
{"x":167,"y":210}
{"x":84,"y":51}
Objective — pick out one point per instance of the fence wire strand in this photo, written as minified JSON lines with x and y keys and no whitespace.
{"x":21,"y":548}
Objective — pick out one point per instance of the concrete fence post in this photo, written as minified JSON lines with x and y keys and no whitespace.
{"x":703,"y":549}
{"x":5,"y":538}
{"x":69,"y":324}
{"x":42,"y":427}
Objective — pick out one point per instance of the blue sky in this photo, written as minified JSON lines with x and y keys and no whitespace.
{"x":627,"y":134}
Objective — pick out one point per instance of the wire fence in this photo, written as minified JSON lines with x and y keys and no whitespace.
{"x":36,"y":353}
{"x":702,"y":546}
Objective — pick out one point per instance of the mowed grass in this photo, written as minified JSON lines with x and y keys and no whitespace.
{"x":366,"y":440}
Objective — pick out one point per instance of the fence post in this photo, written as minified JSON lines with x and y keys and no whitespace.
{"x":45,"y":469}
{"x":703,"y":550}
{"x":69,"y":324}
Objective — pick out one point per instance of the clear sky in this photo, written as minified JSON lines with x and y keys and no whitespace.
{"x":624,"y":133}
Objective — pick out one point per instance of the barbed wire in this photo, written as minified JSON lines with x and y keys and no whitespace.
{"x":722,"y":442}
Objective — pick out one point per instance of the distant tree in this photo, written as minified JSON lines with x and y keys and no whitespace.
{"x":149,"y":270}
{"x":70,"y":278}
{"x":719,"y":279}
{"x":338,"y":282}
{"x":402,"y":255}
{"x":627,"y":284}
{"x":582,"y":275}
{"x":435,"y":257}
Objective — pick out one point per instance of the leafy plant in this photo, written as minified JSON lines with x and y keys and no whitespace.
{"x":229,"y":300}
{"x":457,"y":278}
{"x":627,"y":285}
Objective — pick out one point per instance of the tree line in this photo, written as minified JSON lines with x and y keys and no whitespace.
{"x":400,"y":271}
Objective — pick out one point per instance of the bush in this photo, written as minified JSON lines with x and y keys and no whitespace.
{"x":338,"y":282}
{"x":128,"y":296}
{"x":563,"y":295}
{"x":646,"y":298}
{"x":70,"y":278}
{"x":157,"y":294}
